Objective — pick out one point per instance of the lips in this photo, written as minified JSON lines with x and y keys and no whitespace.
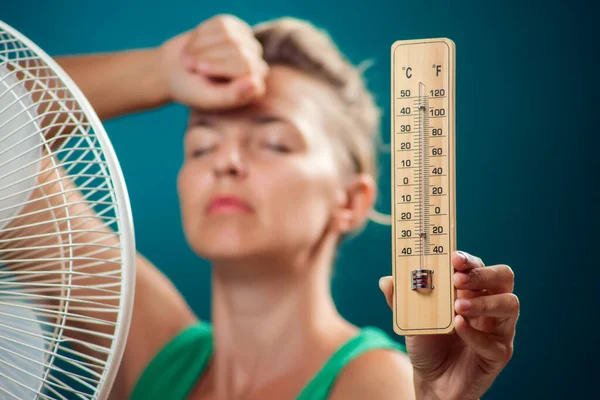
{"x":228,"y":204}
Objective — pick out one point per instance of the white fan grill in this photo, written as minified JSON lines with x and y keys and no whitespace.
{"x":67,"y":249}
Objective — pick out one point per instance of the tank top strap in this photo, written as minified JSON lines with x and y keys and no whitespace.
{"x":369,"y":338}
{"x":174,"y":370}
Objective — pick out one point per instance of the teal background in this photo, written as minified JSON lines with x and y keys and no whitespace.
{"x":527,"y":154}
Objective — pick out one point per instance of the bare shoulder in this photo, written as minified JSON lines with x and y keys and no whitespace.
{"x":376,"y":375}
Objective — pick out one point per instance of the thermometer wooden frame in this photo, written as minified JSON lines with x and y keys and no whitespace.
{"x":423,"y":185}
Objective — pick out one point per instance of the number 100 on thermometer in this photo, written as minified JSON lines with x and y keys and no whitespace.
{"x":423,"y":185}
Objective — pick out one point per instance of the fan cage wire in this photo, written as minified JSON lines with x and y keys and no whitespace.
{"x":87,"y":157}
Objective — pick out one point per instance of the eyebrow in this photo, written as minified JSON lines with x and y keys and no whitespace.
{"x":268,"y":118}
{"x":261,"y":118}
{"x":201,"y":121}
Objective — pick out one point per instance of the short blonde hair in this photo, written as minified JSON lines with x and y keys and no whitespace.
{"x":300,"y":44}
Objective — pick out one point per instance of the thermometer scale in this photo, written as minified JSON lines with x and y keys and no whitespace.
{"x":423,"y":185}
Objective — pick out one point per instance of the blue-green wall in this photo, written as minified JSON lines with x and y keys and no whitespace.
{"x":527,"y":152}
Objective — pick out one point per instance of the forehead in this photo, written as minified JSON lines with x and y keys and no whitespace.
{"x":290,"y":94}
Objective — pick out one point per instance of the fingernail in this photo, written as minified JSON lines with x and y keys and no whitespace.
{"x":203,"y":67}
{"x":462,"y":255}
{"x":246,"y":85}
{"x":188,"y":61}
{"x":461,"y":278}
{"x":462,"y":305}
{"x":381,"y":283}
{"x":459,"y":320}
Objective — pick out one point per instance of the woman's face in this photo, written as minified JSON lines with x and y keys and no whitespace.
{"x":262,"y":181}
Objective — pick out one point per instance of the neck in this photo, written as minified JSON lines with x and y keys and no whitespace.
{"x":266,"y":322}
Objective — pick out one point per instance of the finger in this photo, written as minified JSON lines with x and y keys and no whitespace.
{"x":223,"y":31}
{"x":248,"y":48}
{"x":227,"y":61}
{"x":485,"y":345}
{"x":235,"y":93}
{"x":386,"y":285}
{"x":252,"y":63}
{"x":196,"y":60}
{"x":469,"y":294}
{"x":256,"y":85}
{"x":463,"y":261}
{"x":503,"y":305}
{"x":201,"y":41}
{"x":231,"y":23}
{"x":224,"y":68}
{"x":252,"y":45}
{"x":218,"y":43}
{"x":216,"y":52}
{"x":496,"y":279}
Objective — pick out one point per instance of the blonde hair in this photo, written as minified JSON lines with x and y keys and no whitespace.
{"x":302,"y":45}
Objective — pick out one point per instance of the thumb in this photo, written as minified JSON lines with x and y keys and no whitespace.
{"x":230,"y":94}
{"x":386,"y":285}
{"x":237,"y":92}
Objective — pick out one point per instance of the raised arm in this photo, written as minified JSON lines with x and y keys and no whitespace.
{"x":217,"y":65}
{"x":119,"y":83}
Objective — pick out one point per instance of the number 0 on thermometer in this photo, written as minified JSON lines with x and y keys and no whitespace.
{"x":423,"y":185}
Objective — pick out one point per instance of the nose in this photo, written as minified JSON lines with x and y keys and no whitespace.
{"x":229,"y":161}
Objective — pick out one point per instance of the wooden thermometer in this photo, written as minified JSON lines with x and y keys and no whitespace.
{"x":423,"y":185}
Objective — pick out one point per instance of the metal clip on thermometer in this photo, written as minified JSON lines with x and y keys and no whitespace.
{"x":423,"y":185}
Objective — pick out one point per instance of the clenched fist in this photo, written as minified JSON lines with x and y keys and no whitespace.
{"x":218,"y":65}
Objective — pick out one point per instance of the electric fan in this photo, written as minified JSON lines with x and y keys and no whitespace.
{"x":67,"y":249}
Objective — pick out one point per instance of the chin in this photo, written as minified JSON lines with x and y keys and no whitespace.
{"x":224,"y":240}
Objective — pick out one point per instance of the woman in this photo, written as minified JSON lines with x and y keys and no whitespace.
{"x":279,"y":167}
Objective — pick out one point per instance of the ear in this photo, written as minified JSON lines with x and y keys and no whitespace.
{"x":356,"y":201}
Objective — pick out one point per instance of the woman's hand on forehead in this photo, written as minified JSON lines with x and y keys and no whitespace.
{"x":216,"y":66}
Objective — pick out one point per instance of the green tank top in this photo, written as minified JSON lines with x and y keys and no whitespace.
{"x":174,"y":371}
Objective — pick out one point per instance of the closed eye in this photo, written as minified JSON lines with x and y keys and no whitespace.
{"x":201,"y":151}
{"x":268,"y":119}
{"x":278,"y":147}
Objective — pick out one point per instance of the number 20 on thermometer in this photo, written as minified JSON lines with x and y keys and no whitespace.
{"x":423,"y":185}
